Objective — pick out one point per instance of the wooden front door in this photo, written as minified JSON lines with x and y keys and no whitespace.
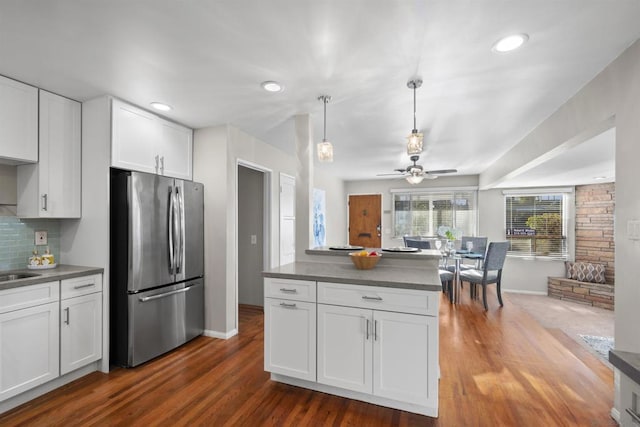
{"x":365,"y":220}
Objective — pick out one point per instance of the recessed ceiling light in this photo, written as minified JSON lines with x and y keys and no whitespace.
{"x":160,"y":106}
{"x":509,"y":43}
{"x":271,"y":86}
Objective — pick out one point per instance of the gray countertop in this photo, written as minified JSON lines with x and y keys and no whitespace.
{"x":427,"y":279}
{"x":420,"y":255}
{"x":627,"y":362}
{"x":60,"y":272}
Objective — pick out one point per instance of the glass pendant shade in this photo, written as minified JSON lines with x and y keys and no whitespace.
{"x":414,"y":143}
{"x":325,"y":151}
{"x":414,"y":179}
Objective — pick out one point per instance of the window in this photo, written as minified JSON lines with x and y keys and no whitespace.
{"x":421,"y":213}
{"x":536,"y":224}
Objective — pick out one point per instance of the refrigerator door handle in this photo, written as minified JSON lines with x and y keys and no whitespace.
{"x":171,"y":220}
{"x":166,"y":294}
{"x":181,"y":230}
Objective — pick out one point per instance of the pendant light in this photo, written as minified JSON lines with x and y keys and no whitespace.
{"x":325,"y":149}
{"x":414,"y":143}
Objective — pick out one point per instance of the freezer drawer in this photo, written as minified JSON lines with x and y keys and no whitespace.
{"x":163,"y":319}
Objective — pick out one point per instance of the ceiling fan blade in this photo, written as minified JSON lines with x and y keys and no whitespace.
{"x":390,"y":174}
{"x":401,"y":170}
{"x":442,"y":171}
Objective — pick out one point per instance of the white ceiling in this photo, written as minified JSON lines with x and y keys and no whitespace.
{"x":207,"y":58}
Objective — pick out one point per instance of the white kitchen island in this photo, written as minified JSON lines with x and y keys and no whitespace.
{"x":370,"y":335}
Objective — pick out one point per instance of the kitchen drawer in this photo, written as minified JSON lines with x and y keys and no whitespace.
{"x":299,"y":290}
{"x":29,"y":296}
{"x":379,"y":298}
{"x":80,"y":286}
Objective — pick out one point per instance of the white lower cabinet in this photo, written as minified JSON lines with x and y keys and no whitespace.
{"x":377,"y":344}
{"x":29,"y":348}
{"x":290,"y":338}
{"x":80,"y":331}
{"x":383,"y":353}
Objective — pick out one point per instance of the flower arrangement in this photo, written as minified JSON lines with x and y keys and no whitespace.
{"x":449,"y":233}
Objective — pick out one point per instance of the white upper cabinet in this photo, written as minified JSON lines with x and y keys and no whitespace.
{"x":144,"y":142}
{"x":51,"y":188}
{"x":18,"y":122}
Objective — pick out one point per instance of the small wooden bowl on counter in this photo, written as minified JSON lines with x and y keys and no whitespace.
{"x":364,"y":262}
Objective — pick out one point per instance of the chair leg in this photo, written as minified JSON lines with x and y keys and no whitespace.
{"x":499,"y":293}
{"x":484,"y":296}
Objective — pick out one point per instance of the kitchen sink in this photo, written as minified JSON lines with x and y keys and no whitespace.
{"x":16,"y":276}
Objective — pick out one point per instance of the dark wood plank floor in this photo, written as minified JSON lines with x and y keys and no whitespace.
{"x":498,"y":368}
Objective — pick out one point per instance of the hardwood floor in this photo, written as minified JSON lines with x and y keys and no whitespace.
{"x":498,"y":368}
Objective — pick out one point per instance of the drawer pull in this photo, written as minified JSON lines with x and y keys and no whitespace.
{"x":284,"y":304}
{"x":88,"y":285}
{"x":289,"y":291}
{"x":371,"y":298}
{"x":635,"y":416}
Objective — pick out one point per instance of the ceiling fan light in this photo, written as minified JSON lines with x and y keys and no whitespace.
{"x":414,"y":179}
{"x":325,"y":151}
{"x":414,"y":143}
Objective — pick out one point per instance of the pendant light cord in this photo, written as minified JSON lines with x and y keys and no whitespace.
{"x":415,"y":129}
{"x":325,"y":118}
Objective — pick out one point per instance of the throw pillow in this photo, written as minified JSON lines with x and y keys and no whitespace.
{"x":585,"y":272}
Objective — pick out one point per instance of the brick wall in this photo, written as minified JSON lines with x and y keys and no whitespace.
{"x":595,"y":206}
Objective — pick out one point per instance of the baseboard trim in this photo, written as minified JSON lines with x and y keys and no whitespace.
{"x":221,"y":335}
{"x":518,"y":291}
{"x":615,"y":414}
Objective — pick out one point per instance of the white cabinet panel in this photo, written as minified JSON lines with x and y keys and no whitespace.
{"x":52,"y":187}
{"x":135,"y":136}
{"x":80,"y":286}
{"x":345,"y":347}
{"x":18,"y":121}
{"x":142,"y":141}
{"x":404,"y":354}
{"x":80,"y":331}
{"x":290,"y":338}
{"x":29,"y":348}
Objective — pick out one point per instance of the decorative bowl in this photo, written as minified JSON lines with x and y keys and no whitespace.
{"x":363,"y":262}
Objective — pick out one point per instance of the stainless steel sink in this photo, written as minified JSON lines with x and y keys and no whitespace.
{"x":16,"y":276}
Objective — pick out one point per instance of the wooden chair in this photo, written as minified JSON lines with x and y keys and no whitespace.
{"x":490,"y":273}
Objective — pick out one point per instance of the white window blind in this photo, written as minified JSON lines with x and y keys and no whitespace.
{"x":536,"y":224}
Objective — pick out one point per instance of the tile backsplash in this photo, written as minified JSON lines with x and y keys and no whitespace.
{"x":17,"y":240}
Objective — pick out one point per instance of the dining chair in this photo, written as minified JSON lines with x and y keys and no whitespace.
{"x":490,"y":273}
{"x":422,"y":244}
{"x":446,"y":279}
{"x":405,"y":238}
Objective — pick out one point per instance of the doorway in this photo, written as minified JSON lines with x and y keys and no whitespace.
{"x":365,"y":220}
{"x":251,"y":235}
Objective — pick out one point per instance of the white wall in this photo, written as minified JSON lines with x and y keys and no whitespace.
{"x":336,"y":204}
{"x":217,"y":151}
{"x":8,"y":186}
{"x":384,"y":186}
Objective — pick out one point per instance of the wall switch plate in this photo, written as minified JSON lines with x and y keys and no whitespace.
{"x":41,"y":238}
{"x":633,"y":230}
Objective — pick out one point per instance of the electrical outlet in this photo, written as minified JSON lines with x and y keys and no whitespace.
{"x":41,"y":238}
{"x":254,"y":239}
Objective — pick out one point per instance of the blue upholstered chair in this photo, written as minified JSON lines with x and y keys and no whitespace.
{"x":422,"y":244}
{"x":405,"y":238}
{"x":490,"y":273}
{"x":446,"y":279}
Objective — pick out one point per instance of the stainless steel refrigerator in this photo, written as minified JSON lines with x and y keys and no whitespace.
{"x":156,"y":265}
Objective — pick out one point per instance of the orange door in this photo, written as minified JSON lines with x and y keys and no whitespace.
{"x":365,"y":220}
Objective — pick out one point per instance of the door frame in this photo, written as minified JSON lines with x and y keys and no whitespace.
{"x":266,"y":219}
{"x":368,"y":193}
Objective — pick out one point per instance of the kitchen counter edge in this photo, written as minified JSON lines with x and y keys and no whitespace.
{"x":387,"y":276}
{"x":61,"y":272}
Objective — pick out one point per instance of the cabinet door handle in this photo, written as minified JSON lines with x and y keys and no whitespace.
{"x":44,"y":202}
{"x":66,"y":310}
{"x":371,"y":298}
{"x":289,"y":291}
{"x":162,"y":165}
{"x":284,"y":304}
{"x":367,"y":320}
{"x":88,"y":285}
{"x":375,"y":330}
{"x":157,"y":162}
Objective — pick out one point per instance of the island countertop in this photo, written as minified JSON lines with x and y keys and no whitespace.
{"x":425,"y":278}
{"x":423,"y":254}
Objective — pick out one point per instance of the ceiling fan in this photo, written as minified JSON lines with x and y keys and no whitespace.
{"x":414,"y":173}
